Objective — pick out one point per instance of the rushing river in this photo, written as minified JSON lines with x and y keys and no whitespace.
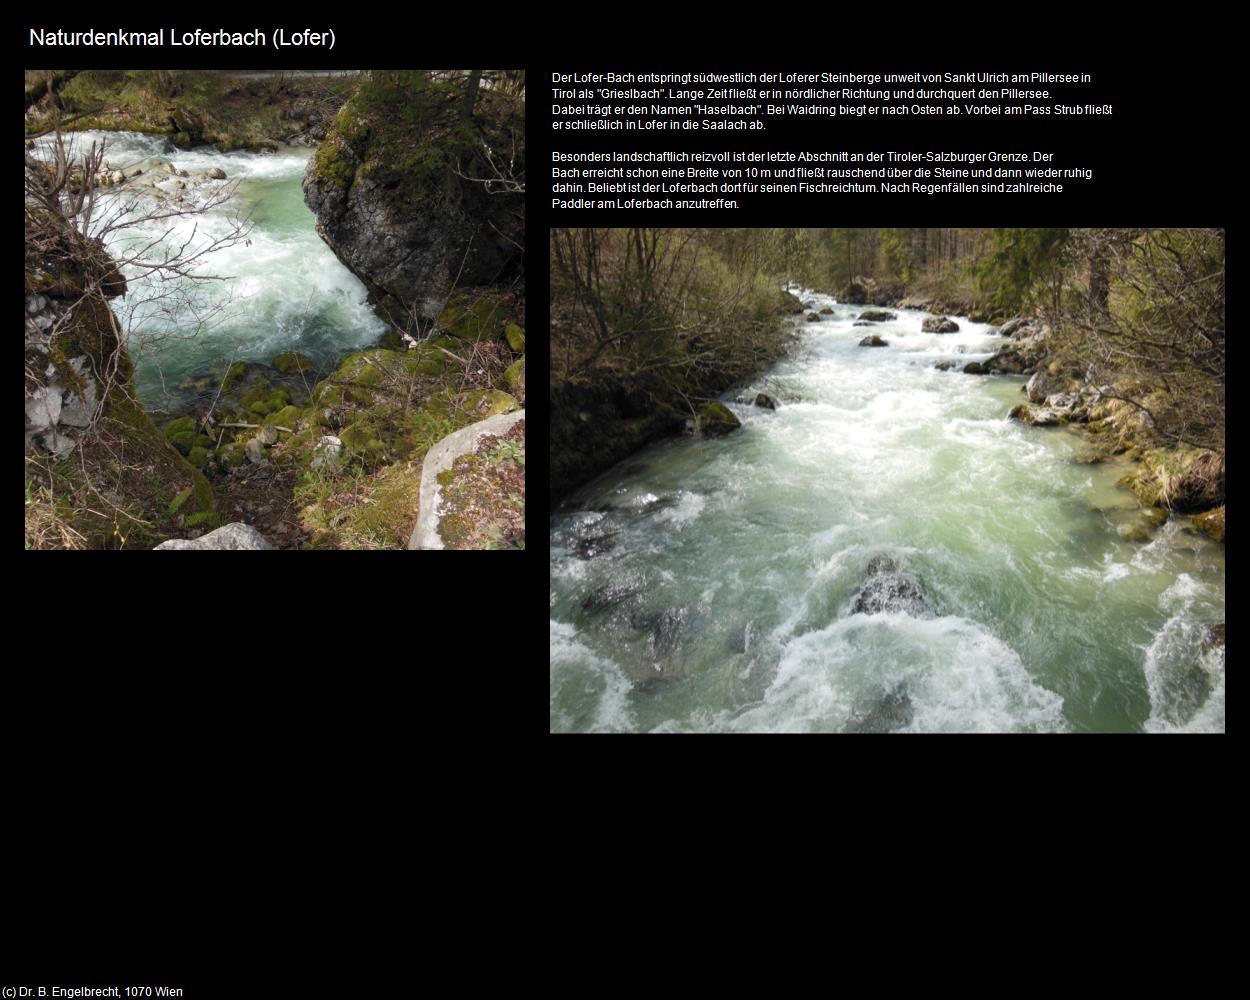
{"x":283,"y":288}
{"x":709,"y":585}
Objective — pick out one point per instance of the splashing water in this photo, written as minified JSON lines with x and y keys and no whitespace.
{"x":710,"y":584}
{"x":283,"y":288}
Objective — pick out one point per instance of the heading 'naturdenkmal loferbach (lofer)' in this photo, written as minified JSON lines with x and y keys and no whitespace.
{"x":279,"y":38}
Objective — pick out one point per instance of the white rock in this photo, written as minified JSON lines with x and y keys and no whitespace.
{"x":231,"y":536}
{"x":326,"y":453}
{"x":36,"y":303}
{"x":43,"y":407}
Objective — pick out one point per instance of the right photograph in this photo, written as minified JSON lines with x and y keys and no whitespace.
{"x":877,"y":480}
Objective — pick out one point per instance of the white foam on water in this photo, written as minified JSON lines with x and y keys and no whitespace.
{"x":958,"y":676}
{"x":588,"y":692}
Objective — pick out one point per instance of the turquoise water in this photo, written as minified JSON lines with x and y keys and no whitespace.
{"x":708,"y":585}
{"x":279,"y":290}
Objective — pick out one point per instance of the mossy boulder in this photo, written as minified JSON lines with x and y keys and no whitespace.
{"x":717,"y":420}
{"x":514,"y":375}
{"x":288,"y":417}
{"x":1212,"y":523}
{"x":515,"y":337}
{"x":292,"y":361}
{"x":198,"y":457}
{"x":876,"y":316}
{"x":181,"y":434}
{"x":390,"y":188}
{"x":472,"y":314}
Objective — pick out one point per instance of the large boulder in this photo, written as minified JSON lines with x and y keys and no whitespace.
{"x":1014,"y":326}
{"x":939,"y":324}
{"x":391,"y":189}
{"x":888,"y":588}
{"x":1043,"y":384}
{"x":876,"y":316}
{"x":717,"y":420}
{"x":231,"y":536}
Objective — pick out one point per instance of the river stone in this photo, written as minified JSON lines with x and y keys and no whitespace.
{"x":827,"y":311}
{"x":216,"y":173}
{"x":717,"y":420}
{"x":876,"y":316}
{"x":766,"y":401}
{"x":231,"y":536}
{"x":255,"y":452}
{"x":874,"y":341}
{"x":1013,"y":326}
{"x":939,"y":324}
{"x":893,"y":711}
{"x":944,"y":366}
{"x":1043,"y":384}
{"x":326,"y":453}
{"x":812,"y":318}
{"x":887,"y":588}
{"x":268,"y":435}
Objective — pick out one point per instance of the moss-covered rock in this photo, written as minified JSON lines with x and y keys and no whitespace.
{"x":198,"y":457}
{"x":515,"y":337}
{"x":292,"y":361}
{"x":288,"y":416}
{"x":472,"y":314}
{"x":514,"y":376}
{"x":389,"y":187}
{"x":1212,"y":523}
{"x":716,"y":419}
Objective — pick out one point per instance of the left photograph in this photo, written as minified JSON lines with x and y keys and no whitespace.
{"x":275,"y":310}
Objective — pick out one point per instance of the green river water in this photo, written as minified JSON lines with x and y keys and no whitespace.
{"x":708,"y":585}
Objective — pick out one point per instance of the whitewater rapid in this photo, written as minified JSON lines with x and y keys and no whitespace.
{"x":278,"y":289}
{"x":708,"y":584}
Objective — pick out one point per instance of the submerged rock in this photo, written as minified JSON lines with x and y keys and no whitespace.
{"x":610,"y":595}
{"x":975,"y":368}
{"x":887,"y":588}
{"x":874,"y":341}
{"x":766,"y":401}
{"x":893,"y":711}
{"x":877,"y":316}
{"x":939,"y":324}
{"x":944,"y":366}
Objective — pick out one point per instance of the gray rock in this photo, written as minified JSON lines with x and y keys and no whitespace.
{"x":77,"y":412}
{"x":877,"y":316}
{"x":268,"y":435}
{"x":1013,"y":326}
{"x":216,"y":173}
{"x":43,"y":408}
{"x":255,"y":452}
{"x":57,"y":443}
{"x":326,"y":453}
{"x":35,"y":304}
{"x":416,"y":248}
{"x":944,"y":366}
{"x":975,"y":368}
{"x":887,"y":588}
{"x":117,"y":177}
{"x":1042,"y":385}
{"x":766,"y":401}
{"x":939,"y":324}
{"x":439,"y":459}
{"x":874,"y":341}
{"x":231,"y":536}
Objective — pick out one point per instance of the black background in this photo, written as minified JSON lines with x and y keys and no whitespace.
{"x":332,"y":691}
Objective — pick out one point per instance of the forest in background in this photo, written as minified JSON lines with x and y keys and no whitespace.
{"x":648,"y":323}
